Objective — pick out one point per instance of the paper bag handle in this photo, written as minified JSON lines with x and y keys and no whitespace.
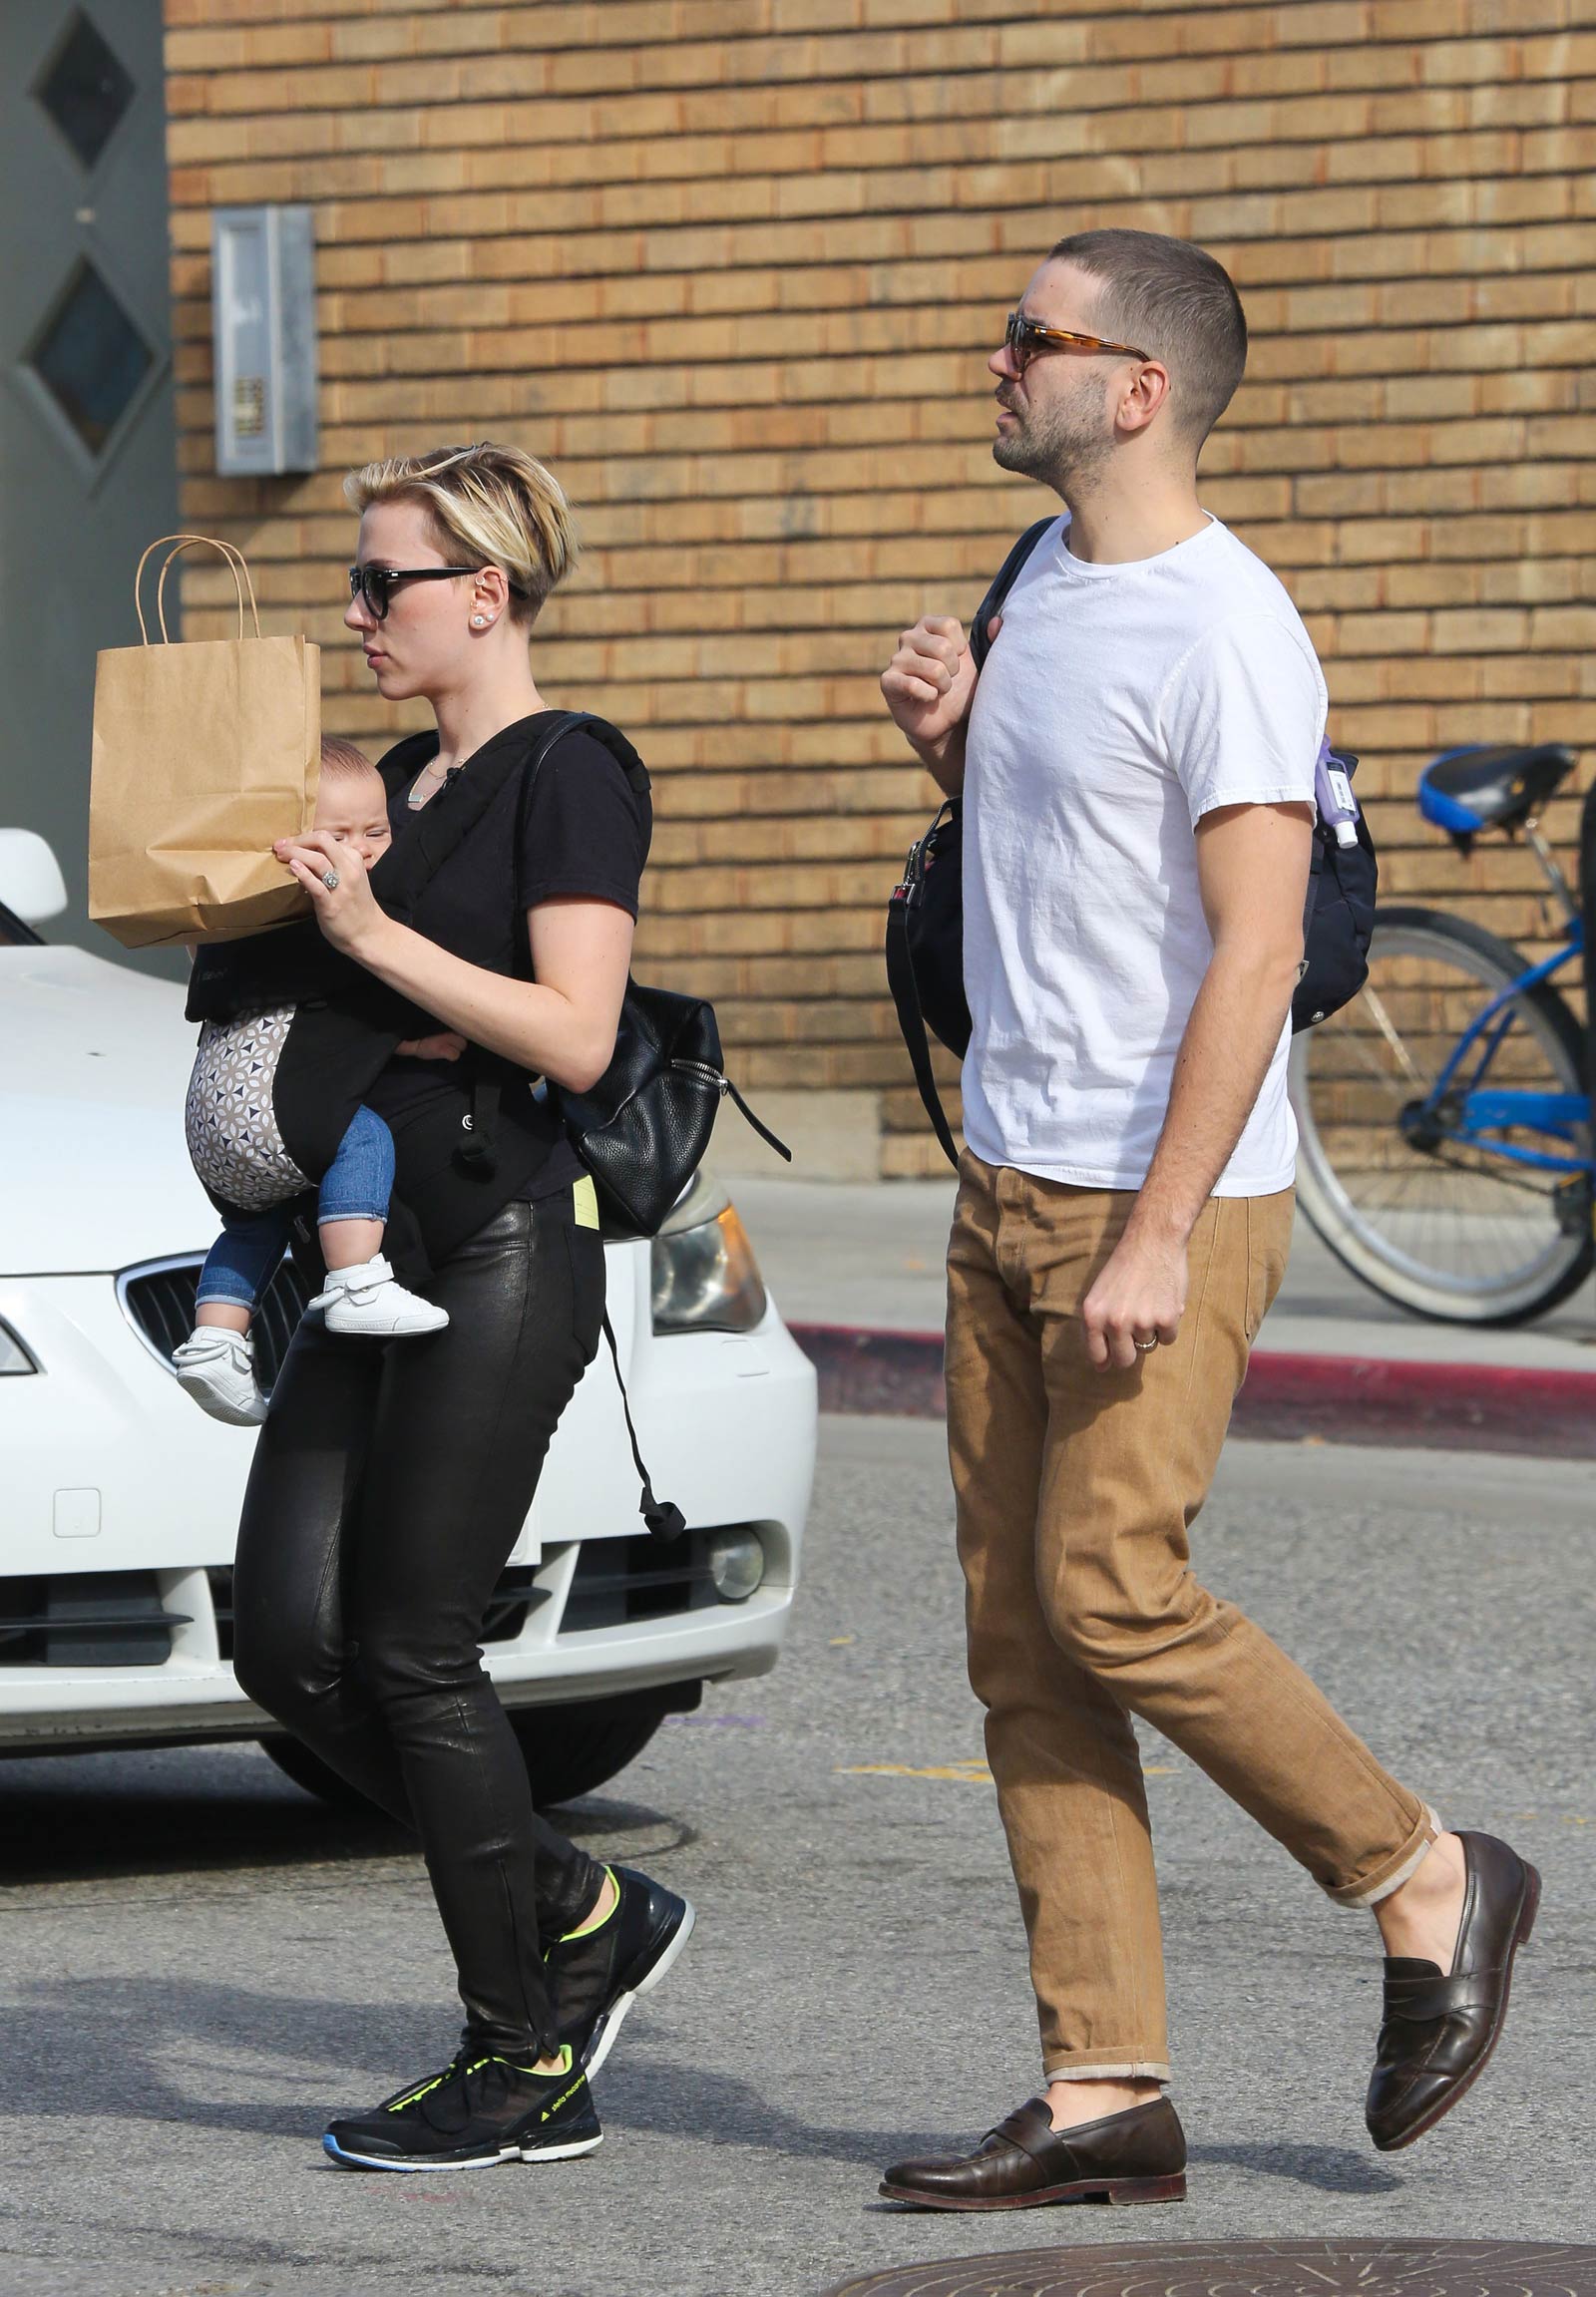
{"x":236,"y":566}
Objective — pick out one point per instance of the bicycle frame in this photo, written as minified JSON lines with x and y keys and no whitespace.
{"x":1484,"y":1112}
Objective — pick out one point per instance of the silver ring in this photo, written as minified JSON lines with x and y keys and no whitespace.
{"x":1144,"y":1344}
{"x":329,"y":878}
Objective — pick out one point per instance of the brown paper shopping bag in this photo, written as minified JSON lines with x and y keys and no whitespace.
{"x":204,"y":752}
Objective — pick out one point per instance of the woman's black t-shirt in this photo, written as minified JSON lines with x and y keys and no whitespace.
{"x":582,"y":832}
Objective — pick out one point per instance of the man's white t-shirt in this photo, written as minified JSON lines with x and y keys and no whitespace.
{"x":1120,"y":704}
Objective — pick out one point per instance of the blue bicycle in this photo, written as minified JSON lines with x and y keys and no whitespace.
{"x":1445,"y":1119}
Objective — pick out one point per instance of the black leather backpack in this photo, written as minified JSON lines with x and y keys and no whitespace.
{"x":926,"y":916}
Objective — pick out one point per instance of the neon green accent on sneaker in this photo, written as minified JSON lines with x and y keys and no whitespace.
{"x":562,"y":2066}
{"x":413,"y":2097}
{"x":593,"y":1930}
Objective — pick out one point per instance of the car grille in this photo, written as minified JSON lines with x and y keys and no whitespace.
{"x":89,"y":1620}
{"x":516,"y":1596}
{"x":158,"y":1303}
{"x":617,"y":1581}
{"x":85,"y":1619}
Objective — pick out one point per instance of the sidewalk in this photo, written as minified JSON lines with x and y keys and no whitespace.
{"x":857,"y":1271}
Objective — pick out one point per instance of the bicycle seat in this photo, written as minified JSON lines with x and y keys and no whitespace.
{"x":1491,"y":786}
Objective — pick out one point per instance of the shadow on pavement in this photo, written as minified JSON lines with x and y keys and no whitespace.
{"x":670,"y":2098}
{"x":80,"y":1818}
{"x":1327,"y":2168}
{"x":144,"y":2049}
{"x":114,"y":1815}
{"x":148,"y":2050}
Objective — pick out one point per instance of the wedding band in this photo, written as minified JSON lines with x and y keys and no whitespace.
{"x":329,"y":878}
{"x":1144,"y":1344}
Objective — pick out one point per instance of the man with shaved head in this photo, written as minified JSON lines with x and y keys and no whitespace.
{"x":1136,"y":762}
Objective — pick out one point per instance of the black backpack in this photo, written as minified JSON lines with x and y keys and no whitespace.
{"x":926,"y":916}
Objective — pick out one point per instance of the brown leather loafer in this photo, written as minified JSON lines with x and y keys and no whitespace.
{"x":1024,"y":2164}
{"x":1438,"y":2030}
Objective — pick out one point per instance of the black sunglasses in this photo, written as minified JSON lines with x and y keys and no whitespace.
{"x":375,"y":583}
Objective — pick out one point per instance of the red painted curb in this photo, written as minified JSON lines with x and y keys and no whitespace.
{"x":1287,"y":1397}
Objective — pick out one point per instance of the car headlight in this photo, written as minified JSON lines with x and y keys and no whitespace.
{"x":14,"y":1357}
{"x":705,"y":1277}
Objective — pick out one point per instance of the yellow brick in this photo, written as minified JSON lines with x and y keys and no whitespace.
{"x":734,"y":264}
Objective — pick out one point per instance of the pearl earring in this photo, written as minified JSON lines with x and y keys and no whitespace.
{"x":479,"y":621}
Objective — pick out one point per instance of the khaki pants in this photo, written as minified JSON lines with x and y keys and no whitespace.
{"x":1076,"y":1491}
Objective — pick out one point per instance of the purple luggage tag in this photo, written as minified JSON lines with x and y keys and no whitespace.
{"x":1333,"y":795}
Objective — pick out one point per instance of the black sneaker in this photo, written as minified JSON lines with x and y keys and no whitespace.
{"x":597,"y":1977}
{"x":477,"y":2112}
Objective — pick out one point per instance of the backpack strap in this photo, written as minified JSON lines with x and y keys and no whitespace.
{"x":1003,"y":583}
{"x":763,"y":1130}
{"x":438,"y":831}
{"x":900,"y":965}
{"x":490,"y":1074}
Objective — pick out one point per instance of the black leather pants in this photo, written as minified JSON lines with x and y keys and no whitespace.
{"x":389,"y":1485}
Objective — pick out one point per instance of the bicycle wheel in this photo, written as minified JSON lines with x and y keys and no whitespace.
{"x":1433,"y":1220}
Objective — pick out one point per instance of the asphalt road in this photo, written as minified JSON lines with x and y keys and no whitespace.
{"x":200,"y":1962}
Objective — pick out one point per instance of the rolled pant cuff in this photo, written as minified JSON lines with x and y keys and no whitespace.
{"x":1395,"y":1872}
{"x":220,"y":1292}
{"x":1126,"y":2069}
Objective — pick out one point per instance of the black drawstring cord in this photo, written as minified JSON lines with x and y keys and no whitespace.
{"x":662,"y":1516}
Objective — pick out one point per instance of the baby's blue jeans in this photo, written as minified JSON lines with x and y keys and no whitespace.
{"x":357,"y":1186}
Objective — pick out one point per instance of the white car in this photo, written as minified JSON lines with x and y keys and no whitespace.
{"x":120,"y":1498}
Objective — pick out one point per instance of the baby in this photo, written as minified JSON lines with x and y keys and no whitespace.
{"x":238,"y":1149}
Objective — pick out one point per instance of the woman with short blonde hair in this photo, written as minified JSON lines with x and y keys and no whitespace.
{"x":389,"y":1487}
{"x":490,"y":503}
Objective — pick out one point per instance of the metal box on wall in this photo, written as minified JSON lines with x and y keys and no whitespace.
{"x":263,"y":320}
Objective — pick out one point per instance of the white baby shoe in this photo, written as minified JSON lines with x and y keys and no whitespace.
{"x":218,"y":1368}
{"x":370,"y":1300}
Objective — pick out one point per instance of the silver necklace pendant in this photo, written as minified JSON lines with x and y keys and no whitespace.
{"x":412,"y":801}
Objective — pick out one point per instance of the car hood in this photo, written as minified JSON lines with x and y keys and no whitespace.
{"x":94,"y":1068}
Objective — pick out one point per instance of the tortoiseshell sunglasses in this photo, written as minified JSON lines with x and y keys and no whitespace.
{"x":1026,"y":337}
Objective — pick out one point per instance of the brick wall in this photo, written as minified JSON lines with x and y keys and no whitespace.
{"x":734,"y":265}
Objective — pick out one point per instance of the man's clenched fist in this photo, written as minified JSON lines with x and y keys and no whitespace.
{"x":928,"y":685}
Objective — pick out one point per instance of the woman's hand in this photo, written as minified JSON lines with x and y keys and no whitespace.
{"x":442,"y":1045}
{"x":346,"y":911}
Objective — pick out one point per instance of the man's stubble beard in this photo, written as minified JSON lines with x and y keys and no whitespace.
{"x":1067,"y":448}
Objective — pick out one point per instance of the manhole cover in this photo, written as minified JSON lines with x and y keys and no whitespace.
{"x":1254,"y":2269}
